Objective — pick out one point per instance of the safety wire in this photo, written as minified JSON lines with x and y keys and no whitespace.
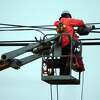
{"x":82,"y":91}
{"x":51,"y":91}
{"x":57,"y":92}
{"x":57,"y":88}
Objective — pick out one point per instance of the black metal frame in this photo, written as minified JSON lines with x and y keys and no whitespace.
{"x":49,"y":65}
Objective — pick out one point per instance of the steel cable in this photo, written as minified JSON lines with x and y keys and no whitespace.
{"x":82,"y":91}
{"x":51,"y":91}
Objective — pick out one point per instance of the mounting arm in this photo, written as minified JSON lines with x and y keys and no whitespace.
{"x":9,"y":60}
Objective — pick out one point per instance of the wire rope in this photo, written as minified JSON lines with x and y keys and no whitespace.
{"x":52,"y":29}
{"x":57,"y":88}
{"x":57,"y":92}
{"x":22,"y":26}
{"x":51,"y":91}
{"x":25,"y":25}
{"x":82,"y":91}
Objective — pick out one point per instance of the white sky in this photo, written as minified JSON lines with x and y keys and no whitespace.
{"x":26,"y":84}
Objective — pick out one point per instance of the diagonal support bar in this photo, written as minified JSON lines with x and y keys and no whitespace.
{"x":20,"y":51}
{"x":17,"y":63}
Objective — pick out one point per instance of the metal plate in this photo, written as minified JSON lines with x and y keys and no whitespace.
{"x":61,"y":80}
